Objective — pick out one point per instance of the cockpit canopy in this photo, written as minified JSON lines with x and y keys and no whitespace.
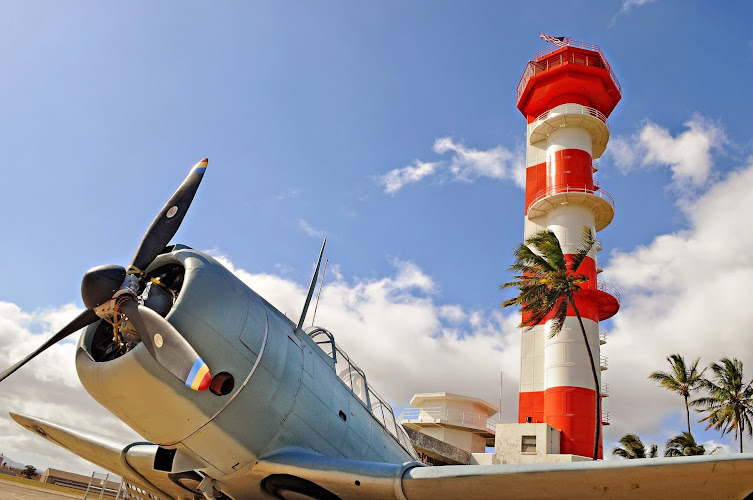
{"x":354,"y":378}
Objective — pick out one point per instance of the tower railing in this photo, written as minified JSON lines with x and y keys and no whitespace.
{"x":605,"y":417}
{"x":603,"y":362}
{"x":604,"y":389}
{"x":539,"y":64}
{"x":574,"y":109}
{"x":571,"y":188}
{"x":609,"y":288}
{"x":438,"y":416}
{"x":602,"y":337}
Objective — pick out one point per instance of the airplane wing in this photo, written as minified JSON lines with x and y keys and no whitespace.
{"x":717,"y":477}
{"x":723,"y":477}
{"x":132,"y":461}
{"x":297,"y":471}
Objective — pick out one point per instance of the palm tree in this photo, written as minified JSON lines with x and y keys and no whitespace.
{"x":730,"y":400}
{"x":683,"y":445}
{"x":634,"y":448}
{"x":682,"y":379}
{"x":548,"y":284}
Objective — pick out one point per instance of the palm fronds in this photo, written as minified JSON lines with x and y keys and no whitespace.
{"x":683,"y":445}
{"x":730,"y":400}
{"x":683,"y":379}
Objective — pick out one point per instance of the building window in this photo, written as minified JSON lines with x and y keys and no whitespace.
{"x":528,"y":445}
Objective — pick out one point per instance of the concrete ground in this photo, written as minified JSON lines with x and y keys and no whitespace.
{"x":10,"y":490}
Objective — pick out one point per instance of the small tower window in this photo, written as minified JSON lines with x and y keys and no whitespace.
{"x":528,"y":445}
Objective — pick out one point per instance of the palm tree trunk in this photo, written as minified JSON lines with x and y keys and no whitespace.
{"x":597,"y":430}
{"x":687,"y":413}
{"x":740,"y":429}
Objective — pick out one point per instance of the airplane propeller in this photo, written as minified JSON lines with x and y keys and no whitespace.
{"x":110,"y":292}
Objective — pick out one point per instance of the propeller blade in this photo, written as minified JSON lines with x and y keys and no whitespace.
{"x":84,"y":319}
{"x":167,"y":346}
{"x":168,"y":221}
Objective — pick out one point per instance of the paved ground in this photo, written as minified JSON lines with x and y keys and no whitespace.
{"x":15,"y":491}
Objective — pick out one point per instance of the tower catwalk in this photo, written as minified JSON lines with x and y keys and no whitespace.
{"x":566,"y":94}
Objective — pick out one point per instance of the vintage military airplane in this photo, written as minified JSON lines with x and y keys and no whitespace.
{"x":287,"y":413}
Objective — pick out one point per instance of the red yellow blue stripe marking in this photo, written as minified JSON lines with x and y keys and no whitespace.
{"x":200,"y":167}
{"x":199,"y":377}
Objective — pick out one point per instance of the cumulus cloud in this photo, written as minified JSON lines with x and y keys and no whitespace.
{"x":468,"y":164}
{"x":465,"y":164}
{"x":687,"y":292}
{"x":46,"y":387}
{"x":688,"y":154}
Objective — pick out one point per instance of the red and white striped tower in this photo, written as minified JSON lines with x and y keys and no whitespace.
{"x":566,"y":94}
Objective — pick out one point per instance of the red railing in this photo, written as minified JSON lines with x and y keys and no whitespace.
{"x":569,"y":188}
{"x":539,"y":64}
{"x":609,"y":288}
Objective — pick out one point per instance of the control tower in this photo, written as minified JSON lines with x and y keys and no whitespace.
{"x":566,"y":94}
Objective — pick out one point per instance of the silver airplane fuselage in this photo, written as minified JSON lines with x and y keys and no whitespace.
{"x":286,"y":393}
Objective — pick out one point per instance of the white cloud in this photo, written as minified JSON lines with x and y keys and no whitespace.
{"x":310,"y":230}
{"x":468,"y":164}
{"x":629,"y":4}
{"x":46,"y":387}
{"x":464,"y":165}
{"x":453,"y":313}
{"x":687,"y":292}
{"x":714,"y":447}
{"x":395,"y":179}
{"x":688,"y":155}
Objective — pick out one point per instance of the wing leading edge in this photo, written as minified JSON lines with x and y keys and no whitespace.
{"x":132,"y":461}
{"x":302,"y":471}
{"x":729,"y":477}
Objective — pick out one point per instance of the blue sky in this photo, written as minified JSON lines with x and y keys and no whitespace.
{"x":303,"y":108}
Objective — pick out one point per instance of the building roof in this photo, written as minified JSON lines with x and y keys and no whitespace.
{"x":421,"y":399}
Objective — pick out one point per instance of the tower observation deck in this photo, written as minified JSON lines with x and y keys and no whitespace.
{"x":566,"y":94}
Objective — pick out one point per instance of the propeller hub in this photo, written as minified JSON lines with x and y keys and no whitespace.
{"x":100,"y":284}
